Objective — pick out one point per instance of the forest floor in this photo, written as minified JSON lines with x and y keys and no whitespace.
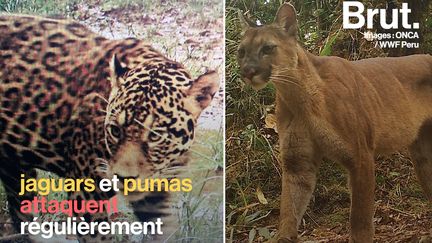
{"x":402,"y":213}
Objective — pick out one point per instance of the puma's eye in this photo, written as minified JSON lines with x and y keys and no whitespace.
{"x":115,"y":131}
{"x":241,"y":53}
{"x":267,"y":49}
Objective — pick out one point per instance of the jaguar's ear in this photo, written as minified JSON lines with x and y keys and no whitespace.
{"x":201,"y":93}
{"x":286,"y":18}
{"x":117,"y":70}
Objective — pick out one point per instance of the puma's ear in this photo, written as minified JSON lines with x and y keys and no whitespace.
{"x":117,"y":70}
{"x":201,"y":93}
{"x":286,"y":18}
{"x":245,"y":22}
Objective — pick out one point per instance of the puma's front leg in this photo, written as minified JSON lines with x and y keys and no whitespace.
{"x":362,"y":183}
{"x":300,"y":165}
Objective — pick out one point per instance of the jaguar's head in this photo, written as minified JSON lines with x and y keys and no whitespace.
{"x":151,"y":116}
{"x":265,"y":50}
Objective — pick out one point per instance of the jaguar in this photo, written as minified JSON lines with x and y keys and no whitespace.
{"x":75,"y":103}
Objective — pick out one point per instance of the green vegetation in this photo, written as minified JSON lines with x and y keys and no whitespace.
{"x":52,"y":7}
{"x":200,"y":215}
{"x":253,"y":172}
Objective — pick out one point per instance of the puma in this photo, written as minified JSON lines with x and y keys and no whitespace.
{"x":345,"y":111}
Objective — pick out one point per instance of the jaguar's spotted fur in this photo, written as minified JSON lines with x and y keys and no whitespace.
{"x":48,"y":69}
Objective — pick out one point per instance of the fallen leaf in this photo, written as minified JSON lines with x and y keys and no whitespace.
{"x":252,"y":234}
{"x":264,"y":232}
{"x":270,"y":122}
{"x":261,"y":197}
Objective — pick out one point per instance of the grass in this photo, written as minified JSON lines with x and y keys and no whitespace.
{"x":200,"y":216}
{"x":256,"y":166}
{"x":42,"y":7}
{"x":196,"y":5}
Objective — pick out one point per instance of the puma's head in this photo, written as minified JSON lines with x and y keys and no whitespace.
{"x":265,"y":49}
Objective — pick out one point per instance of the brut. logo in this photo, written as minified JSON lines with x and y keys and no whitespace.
{"x":355,"y":19}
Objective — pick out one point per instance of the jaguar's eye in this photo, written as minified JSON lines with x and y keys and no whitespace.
{"x":153,"y":137}
{"x":241,"y":53}
{"x":267,"y":49}
{"x":115,"y":131}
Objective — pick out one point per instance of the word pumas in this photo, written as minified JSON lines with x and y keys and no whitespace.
{"x":360,"y":19}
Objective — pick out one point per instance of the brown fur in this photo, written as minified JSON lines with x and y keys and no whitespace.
{"x":349,"y":112}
